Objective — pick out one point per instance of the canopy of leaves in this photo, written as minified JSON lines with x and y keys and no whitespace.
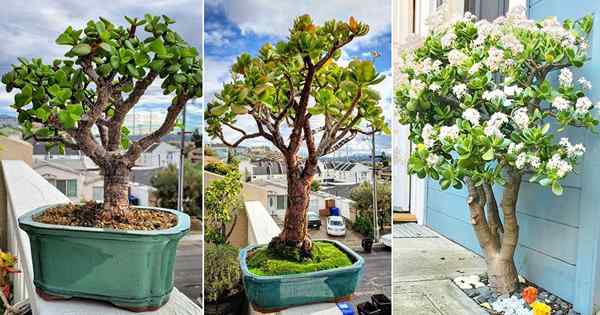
{"x":274,"y":88}
{"x":223,"y":201}
{"x":362,"y":196}
{"x":105,"y":71}
{"x":221,"y":272}
{"x":482,"y":99}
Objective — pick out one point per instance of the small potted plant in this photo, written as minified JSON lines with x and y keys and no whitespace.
{"x":108,"y":251}
{"x":223,"y":289}
{"x":275,"y":90}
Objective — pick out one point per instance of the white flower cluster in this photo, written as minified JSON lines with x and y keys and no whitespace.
{"x":495,"y":95}
{"x":485,"y":29}
{"x":427,"y":134}
{"x":552,"y":27}
{"x":573,"y":151}
{"x":521,"y":118}
{"x":449,"y":132}
{"x":426,"y":66}
{"x":471,"y":115}
{"x":561,"y":103}
{"x":433,"y":160}
{"x":434,"y":87}
{"x":585,"y":84}
{"x":448,"y":39}
{"x":559,"y":165}
{"x":475,"y":68}
{"x":492,"y":126}
{"x":565,"y":78}
{"x":582,"y":105}
{"x":524,"y":159}
{"x":456,"y":57}
{"x":494,"y":59}
{"x":460,"y":90}
{"x":512,"y":90}
{"x":514,"y":148}
{"x":510,"y":41}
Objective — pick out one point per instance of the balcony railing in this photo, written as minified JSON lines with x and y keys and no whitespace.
{"x":25,"y":191}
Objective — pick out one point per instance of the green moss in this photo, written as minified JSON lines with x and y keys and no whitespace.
{"x":325,"y":256}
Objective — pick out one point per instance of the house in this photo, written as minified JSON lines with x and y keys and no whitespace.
{"x":559,"y":242}
{"x":72,"y":178}
{"x":352,"y":172}
{"x":160,"y":154}
{"x":262,"y":169}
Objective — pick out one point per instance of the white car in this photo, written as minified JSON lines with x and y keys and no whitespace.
{"x":336,"y":226}
{"x":386,"y":240}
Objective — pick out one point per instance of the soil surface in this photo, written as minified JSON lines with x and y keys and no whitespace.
{"x":91,"y":214}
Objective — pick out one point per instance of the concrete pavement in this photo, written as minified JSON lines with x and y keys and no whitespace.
{"x":424,"y":264}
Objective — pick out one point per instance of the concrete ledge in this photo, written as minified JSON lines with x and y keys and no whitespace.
{"x":261,"y":226}
{"x":27,"y":190}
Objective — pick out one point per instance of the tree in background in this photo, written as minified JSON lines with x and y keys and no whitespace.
{"x":315,"y":185}
{"x":273,"y":89}
{"x":483,"y":111}
{"x":223,"y":202}
{"x":362,"y":195}
{"x":104,"y":74}
{"x":197,"y":138}
{"x":165,"y":182}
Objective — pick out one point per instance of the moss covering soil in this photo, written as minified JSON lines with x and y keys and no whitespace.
{"x":326,"y":256}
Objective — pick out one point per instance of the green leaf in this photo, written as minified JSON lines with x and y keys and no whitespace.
{"x":158,"y":47}
{"x":65,"y":119}
{"x":157,"y":65}
{"x":42,"y":113}
{"x":557,"y":188}
{"x":488,"y":155}
{"x":108,"y":48}
{"x":141,"y":59}
{"x":545,"y":181}
{"x":218,"y":110}
{"x":239,"y":109}
{"x":82,"y":50}
{"x":65,"y":39}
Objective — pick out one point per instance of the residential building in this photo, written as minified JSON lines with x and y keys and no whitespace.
{"x":352,"y":172}
{"x":72,"y":178}
{"x":160,"y":154}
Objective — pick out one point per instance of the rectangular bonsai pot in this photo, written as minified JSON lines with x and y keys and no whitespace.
{"x":130,"y":269}
{"x":273,"y":293}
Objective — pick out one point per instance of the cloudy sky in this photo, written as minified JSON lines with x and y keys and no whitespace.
{"x":29,"y":28}
{"x":236,"y":26}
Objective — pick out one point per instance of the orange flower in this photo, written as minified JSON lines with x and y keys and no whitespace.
{"x":530,"y":294}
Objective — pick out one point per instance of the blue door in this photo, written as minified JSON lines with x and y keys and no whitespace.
{"x":559,"y":236}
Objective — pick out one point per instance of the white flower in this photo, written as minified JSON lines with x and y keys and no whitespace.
{"x":585,"y":83}
{"x":559,"y":165}
{"x":433,"y":159}
{"x":521,"y":160}
{"x":560,"y":103}
{"x":521,"y":118}
{"x":512,"y":90}
{"x":459,"y":90}
{"x":495,"y":95}
{"x":525,"y":159}
{"x":492,"y":126}
{"x":434,"y":87}
{"x":509,"y":41}
{"x":474,"y":68}
{"x":566,"y":77}
{"x":494,"y":59}
{"x":449,"y":132}
{"x":515,"y":148}
{"x":583,"y":105}
{"x":416,"y":86}
{"x":456,"y":57}
{"x":572,"y":150}
{"x":427,"y":134}
{"x":448,"y":39}
{"x":472,"y":116}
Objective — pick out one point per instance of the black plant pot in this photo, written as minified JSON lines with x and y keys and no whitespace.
{"x":368,"y":308}
{"x":367,"y":244}
{"x":231,"y":305}
{"x":383,"y":303}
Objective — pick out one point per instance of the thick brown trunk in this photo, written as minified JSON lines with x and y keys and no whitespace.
{"x":116,"y":188}
{"x":502,"y":274}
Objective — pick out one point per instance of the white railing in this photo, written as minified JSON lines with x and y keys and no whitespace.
{"x":261,"y":229}
{"x":26,"y":190}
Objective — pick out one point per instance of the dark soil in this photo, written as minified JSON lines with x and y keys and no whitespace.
{"x":91,"y":214}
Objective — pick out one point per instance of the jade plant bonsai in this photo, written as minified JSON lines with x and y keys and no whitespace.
{"x":81,"y":101}
{"x":484,"y":109}
{"x":300,"y":97}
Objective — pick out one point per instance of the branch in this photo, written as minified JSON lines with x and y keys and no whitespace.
{"x":240,"y":140}
{"x":69,"y":144}
{"x":332,"y":51}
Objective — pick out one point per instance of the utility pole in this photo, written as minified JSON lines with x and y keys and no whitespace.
{"x":180,"y":182}
{"x":374,"y":175}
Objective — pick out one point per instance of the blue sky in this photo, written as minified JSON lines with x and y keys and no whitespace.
{"x":29,"y":28}
{"x":236,"y":26}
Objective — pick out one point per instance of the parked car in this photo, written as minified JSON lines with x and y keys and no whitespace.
{"x":336,"y":226}
{"x":386,"y":240}
{"x":314,"y":221}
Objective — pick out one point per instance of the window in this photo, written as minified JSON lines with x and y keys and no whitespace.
{"x":98,"y":193}
{"x":67,"y":186}
{"x":280,"y":202}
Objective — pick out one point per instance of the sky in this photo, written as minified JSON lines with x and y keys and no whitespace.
{"x":29,"y":29}
{"x":236,"y":26}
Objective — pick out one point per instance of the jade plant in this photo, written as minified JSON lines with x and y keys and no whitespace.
{"x":488,"y":104}
{"x":299,"y":96}
{"x":81,"y":101}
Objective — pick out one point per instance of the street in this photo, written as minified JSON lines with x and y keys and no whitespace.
{"x":188,"y":267}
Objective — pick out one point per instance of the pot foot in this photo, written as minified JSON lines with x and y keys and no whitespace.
{"x":51,"y":296}
{"x":259,"y":309}
{"x":141,"y":309}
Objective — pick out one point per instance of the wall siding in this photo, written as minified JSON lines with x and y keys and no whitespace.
{"x":559,"y":236}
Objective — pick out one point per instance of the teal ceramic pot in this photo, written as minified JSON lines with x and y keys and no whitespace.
{"x":273,"y":293}
{"x":130,"y":269}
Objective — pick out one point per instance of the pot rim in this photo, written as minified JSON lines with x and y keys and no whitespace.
{"x":356,"y":266}
{"x":182,"y":226}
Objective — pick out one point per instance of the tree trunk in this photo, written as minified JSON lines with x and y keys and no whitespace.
{"x":116,"y":189}
{"x":498,"y":241}
{"x":294,"y":241}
